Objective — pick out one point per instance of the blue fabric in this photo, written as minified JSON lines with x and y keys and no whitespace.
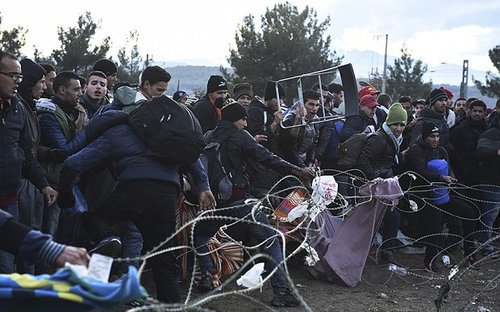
{"x":331,"y":148}
{"x":440,"y":194}
{"x":79,"y":293}
{"x":80,"y":203}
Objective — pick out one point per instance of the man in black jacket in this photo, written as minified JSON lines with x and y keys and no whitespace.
{"x":17,"y":157}
{"x":236,"y":150}
{"x":207,"y":109}
{"x":369,"y":119}
{"x":379,"y":154}
{"x":434,"y":113}
{"x":464,"y":137}
{"x":419,"y":158}
{"x":265,"y":116}
{"x":299,"y":143}
{"x":488,"y":152}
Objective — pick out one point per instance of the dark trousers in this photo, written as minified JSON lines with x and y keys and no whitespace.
{"x":241,"y":231}
{"x":432,"y":225}
{"x":151,"y":206}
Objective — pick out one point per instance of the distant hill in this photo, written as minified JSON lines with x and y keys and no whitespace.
{"x":190,"y":78}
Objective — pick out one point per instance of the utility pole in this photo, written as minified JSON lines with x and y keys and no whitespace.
{"x":465,"y":79}
{"x":384,"y":75}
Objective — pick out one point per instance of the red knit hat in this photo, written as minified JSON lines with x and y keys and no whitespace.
{"x":448,"y":92}
{"x":367,"y":90}
{"x":368,"y":101}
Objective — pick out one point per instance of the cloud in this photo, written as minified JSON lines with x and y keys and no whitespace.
{"x":454,"y":45}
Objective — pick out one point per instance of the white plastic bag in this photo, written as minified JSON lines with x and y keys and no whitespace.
{"x":252,"y":277}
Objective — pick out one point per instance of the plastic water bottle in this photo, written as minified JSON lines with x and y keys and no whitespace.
{"x":398,"y":270}
{"x":446,"y":260}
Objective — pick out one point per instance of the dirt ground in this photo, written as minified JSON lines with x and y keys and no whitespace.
{"x":379,"y":290}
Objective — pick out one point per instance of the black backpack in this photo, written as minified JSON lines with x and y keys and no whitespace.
{"x":219,"y":179}
{"x":348,"y":151}
{"x":170,"y":131}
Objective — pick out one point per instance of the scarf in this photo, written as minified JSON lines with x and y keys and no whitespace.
{"x":395,"y":140}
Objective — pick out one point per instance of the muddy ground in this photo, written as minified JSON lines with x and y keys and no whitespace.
{"x":380,"y":290}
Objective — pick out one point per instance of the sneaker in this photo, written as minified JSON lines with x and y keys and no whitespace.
{"x":110,"y":247}
{"x":284,"y":299}
{"x":205,"y":283}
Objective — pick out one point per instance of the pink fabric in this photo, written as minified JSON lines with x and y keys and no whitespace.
{"x":344,"y":247}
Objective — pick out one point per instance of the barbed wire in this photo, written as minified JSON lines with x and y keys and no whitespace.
{"x":305,"y":228}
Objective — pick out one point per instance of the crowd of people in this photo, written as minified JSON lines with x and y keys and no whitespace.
{"x":66,"y":144}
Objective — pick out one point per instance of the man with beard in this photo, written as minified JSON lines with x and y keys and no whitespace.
{"x":459,"y":108}
{"x":50,"y":75}
{"x":264,"y":117}
{"x":207,"y":109}
{"x":449,"y":113}
{"x":464,"y":138}
{"x":61,"y":120}
{"x":338,"y":97}
{"x":436,"y":102}
{"x":17,"y":158}
{"x":95,"y":93}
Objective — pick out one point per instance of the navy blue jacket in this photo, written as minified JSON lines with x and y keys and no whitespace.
{"x":52,"y":135}
{"x":17,"y":157}
{"x":120,"y":144}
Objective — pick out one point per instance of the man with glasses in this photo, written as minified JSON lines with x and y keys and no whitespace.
{"x":208,"y":108}
{"x":17,"y":157}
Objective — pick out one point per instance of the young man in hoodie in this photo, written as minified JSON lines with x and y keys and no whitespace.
{"x":435,"y":204}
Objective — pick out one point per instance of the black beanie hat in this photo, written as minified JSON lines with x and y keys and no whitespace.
{"x":428,"y":128}
{"x":437,"y":94}
{"x":216,"y":83}
{"x":270,"y":91}
{"x":179,"y":95}
{"x":106,"y":66}
{"x":242,"y":89}
{"x":32,"y":72}
{"x":233,"y":112}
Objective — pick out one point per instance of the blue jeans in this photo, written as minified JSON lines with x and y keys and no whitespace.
{"x":30,"y":209}
{"x":132,"y":246}
{"x":489,"y":213}
{"x":7,"y":259}
{"x":207,"y":229}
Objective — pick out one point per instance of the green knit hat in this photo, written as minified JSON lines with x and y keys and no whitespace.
{"x":397,"y":114}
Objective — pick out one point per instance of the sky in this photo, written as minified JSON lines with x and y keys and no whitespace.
{"x":440,"y":33}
